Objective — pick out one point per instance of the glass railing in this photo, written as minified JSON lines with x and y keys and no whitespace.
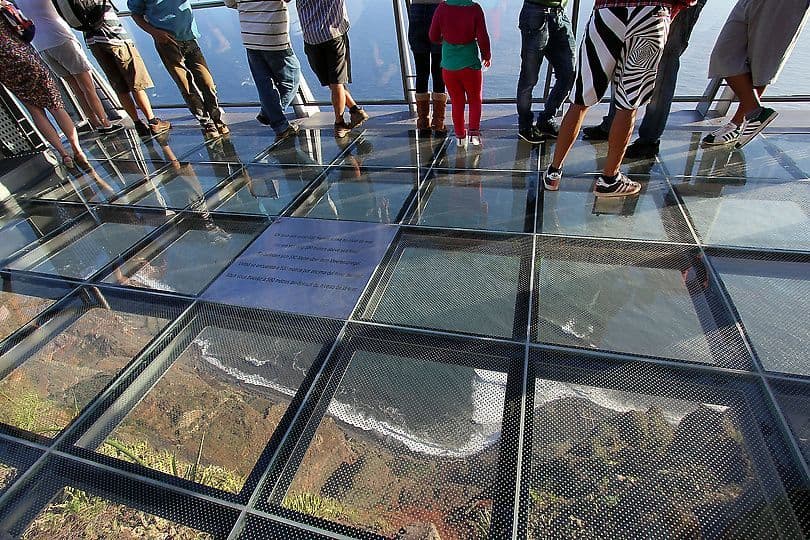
{"x":376,"y":63}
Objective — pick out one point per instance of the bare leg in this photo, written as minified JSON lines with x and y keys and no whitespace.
{"x":66,"y":124}
{"x":46,"y":128}
{"x":338,"y":100}
{"x":350,"y":102}
{"x":569,"y":129}
{"x":129,"y":105}
{"x":94,"y":120}
{"x":87,"y":88}
{"x":143,"y":103}
{"x":620,"y":131}
{"x":746,"y":106}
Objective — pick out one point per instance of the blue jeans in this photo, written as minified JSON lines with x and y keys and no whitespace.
{"x":657,"y":113}
{"x":544,"y":33}
{"x":277,"y":75}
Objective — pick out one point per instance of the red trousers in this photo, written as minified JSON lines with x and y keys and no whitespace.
{"x":465,"y":88}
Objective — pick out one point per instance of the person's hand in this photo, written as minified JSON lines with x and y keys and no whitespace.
{"x":486,"y":63}
{"x":162,"y":36}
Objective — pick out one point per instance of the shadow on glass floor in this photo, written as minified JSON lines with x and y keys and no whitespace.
{"x":636,"y":452}
{"x":652,"y":300}
{"x":486,"y":200}
{"x":407,"y":435}
{"x":653,"y":214}
{"x":360,"y":194}
{"x":771,"y":295}
{"x":210,"y":408}
{"x":456,"y":282}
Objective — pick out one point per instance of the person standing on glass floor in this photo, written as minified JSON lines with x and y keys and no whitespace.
{"x":749,"y":54}
{"x":545,"y":31}
{"x":171,"y":24}
{"x":623,"y":44}
{"x":325,"y":25}
{"x":265,"y":26}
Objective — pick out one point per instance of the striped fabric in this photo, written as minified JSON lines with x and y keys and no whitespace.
{"x":322,"y":20}
{"x":111,"y":30}
{"x":265,"y":24}
{"x":622,"y":46}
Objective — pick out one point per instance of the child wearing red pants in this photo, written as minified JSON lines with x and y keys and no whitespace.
{"x":460,"y":27}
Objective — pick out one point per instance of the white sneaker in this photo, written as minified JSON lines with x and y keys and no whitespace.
{"x":551,"y":180}
{"x":726,"y":134}
{"x":461,"y":142}
{"x":475,"y":138}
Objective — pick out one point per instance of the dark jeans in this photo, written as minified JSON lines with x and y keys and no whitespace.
{"x":427,"y":65}
{"x":544,"y":33}
{"x":277,"y":75}
{"x":186,"y":64}
{"x":657,"y":113}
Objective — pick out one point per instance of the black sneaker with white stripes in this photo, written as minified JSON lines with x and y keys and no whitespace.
{"x":752,"y":127}
{"x":621,"y":187}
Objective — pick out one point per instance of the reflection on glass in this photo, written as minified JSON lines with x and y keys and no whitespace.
{"x":212,"y":413}
{"x":574,"y":211}
{"x":7,"y":476}
{"x":501,"y":150}
{"x":309,"y":147}
{"x":773,"y":301}
{"x":458,"y":290}
{"x":83,"y":250}
{"x":405,"y":444}
{"x":74,"y":513}
{"x":49,"y":389}
{"x":185,"y":260}
{"x":22,"y":228}
{"x":182,"y":185}
{"x":761,"y":215}
{"x":613,"y":464}
{"x":16,"y":309}
{"x":262,"y":190}
{"x":479,"y":201}
{"x":631,"y":309}
{"x":393,"y":149}
{"x":240,"y":146}
{"x":352,"y":193}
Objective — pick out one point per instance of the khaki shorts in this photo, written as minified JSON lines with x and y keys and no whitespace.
{"x":66,"y":59}
{"x":123,"y":66}
{"x":757,"y":38}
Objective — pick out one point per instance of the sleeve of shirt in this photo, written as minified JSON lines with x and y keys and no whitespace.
{"x":231,"y":4}
{"x":482,"y":35}
{"x":137,"y":7}
{"x":435,"y":33}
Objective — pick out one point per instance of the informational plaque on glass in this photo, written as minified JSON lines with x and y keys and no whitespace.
{"x":308,"y":266}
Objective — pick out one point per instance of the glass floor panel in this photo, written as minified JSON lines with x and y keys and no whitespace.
{"x":613,"y":463}
{"x":470,"y":287}
{"x":588,"y":158}
{"x":188,"y":256}
{"x":772,"y":298}
{"x":218,"y":404}
{"x":89,"y":245}
{"x":794,"y":401}
{"x":661,"y":304}
{"x":383,"y":458}
{"x":7,"y":475}
{"x":74,"y":513}
{"x":101,"y":182}
{"x":793,"y":150}
{"x":21,"y":300}
{"x":394,"y":149}
{"x":309,"y":147}
{"x":479,"y":200}
{"x":178,"y":187}
{"x":759,"y":215}
{"x":500,"y":150}
{"x":262,"y":190}
{"x":683,"y":155}
{"x":652,"y":215}
{"x":348,"y":193}
{"x":31,"y":223}
{"x":66,"y":363}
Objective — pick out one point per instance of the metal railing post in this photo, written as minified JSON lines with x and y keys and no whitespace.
{"x":406,"y":69}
